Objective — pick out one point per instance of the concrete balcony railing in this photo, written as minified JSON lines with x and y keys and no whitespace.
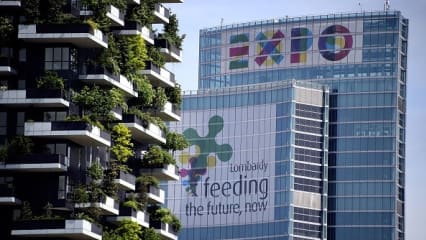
{"x":169,"y":112}
{"x":115,"y":15}
{"x":158,"y":76}
{"x":155,"y":195}
{"x":125,"y":181}
{"x":107,"y":205}
{"x":7,"y":196}
{"x":166,"y":172}
{"x":8,"y":3}
{"x":79,"y":132}
{"x":7,"y":66}
{"x":170,"y":52}
{"x":134,"y":2}
{"x":165,"y":230}
{"x":161,"y":14}
{"x":143,"y":131}
{"x":134,"y":28}
{"x":81,"y":35}
{"x":101,"y":76}
{"x":127,"y":213}
{"x":55,"y":229}
{"x":37,"y":163}
{"x":36,"y":97}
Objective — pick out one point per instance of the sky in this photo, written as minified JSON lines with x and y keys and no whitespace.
{"x":194,"y":15}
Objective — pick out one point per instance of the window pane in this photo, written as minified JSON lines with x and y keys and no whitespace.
{"x":57,"y":54}
{"x":65,"y":54}
{"x":48,"y":54}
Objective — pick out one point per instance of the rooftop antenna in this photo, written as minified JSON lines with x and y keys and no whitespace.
{"x":360,"y":6}
{"x":387,"y":5}
{"x":221,"y":22}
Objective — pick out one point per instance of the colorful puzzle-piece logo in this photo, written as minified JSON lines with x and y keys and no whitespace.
{"x":240,"y":52}
{"x":269,"y":48}
{"x":206,"y":150}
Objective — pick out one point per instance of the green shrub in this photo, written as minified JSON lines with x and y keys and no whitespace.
{"x":50,"y":80}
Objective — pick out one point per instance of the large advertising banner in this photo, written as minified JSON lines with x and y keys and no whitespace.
{"x":227,"y":172}
{"x":286,"y":45}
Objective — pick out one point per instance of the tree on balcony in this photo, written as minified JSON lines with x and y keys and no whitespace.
{"x":160,"y":214}
{"x":97,"y":103}
{"x":175,"y":141}
{"x":171,"y":32}
{"x":143,"y":13}
{"x":6,"y":30}
{"x":174,"y":95}
{"x":160,"y":98}
{"x":50,"y":80}
{"x":157,"y":157}
{"x":155,"y":56}
{"x":126,"y":230}
{"x":133,"y":54}
{"x":110,"y":57}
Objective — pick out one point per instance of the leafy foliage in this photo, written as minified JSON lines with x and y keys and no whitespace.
{"x":95,"y":171}
{"x":143,"y":13}
{"x":50,"y":80}
{"x":174,"y":94}
{"x":160,"y":98}
{"x":133,"y":54}
{"x":80,"y":194}
{"x":26,"y":211}
{"x":154,"y":55}
{"x":175,"y":141}
{"x":122,"y":147}
{"x":6,"y":29}
{"x":150,"y":234}
{"x":171,"y":32}
{"x":146,"y":93}
{"x":157,"y":157}
{"x":126,"y":230}
{"x":20,"y":145}
{"x":98,"y":102}
{"x":164,"y":215}
{"x":110,"y":57}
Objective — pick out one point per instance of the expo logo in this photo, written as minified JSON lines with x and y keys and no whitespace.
{"x":334,"y":44}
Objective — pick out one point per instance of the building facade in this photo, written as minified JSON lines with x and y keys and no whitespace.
{"x":76,"y":119}
{"x":362,"y":59}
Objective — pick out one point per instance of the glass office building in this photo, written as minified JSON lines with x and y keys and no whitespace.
{"x":257,"y":162}
{"x":362,"y":59}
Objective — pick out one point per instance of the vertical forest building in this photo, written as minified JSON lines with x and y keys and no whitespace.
{"x":84,"y":97}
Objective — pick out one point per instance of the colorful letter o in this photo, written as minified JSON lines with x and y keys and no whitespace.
{"x":336,"y":47}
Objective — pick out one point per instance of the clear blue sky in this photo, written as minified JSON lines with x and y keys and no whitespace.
{"x":197,"y":14}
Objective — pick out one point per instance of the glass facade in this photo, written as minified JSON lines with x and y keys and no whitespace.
{"x":257,"y":162}
{"x":362,"y":59}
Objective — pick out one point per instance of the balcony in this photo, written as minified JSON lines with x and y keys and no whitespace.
{"x":107,"y":205}
{"x":169,"y":112}
{"x":57,"y":229}
{"x":143,"y":131}
{"x":170,"y":1}
{"x":161,"y":14}
{"x":158,"y":76}
{"x":37,"y":163}
{"x":81,"y":133}
{"x":127,"y":213}
{"x":116,"y":16}
{"x":125,"y":181}
{"x":101,"y":76}
{"x":117,"y":113}
{"x":155,"y":195}
{"x":167,"y":172}
{"x":165,"y":230}
{"x":6,"y":66}
{"x":134,"y":28}
{"x":6,"y":3}
{"x":37,"y":97}
{"x":7,"y":196}
{"x":81,"y":35}
{"x":170,"y":52}
{"x":134,"y":2}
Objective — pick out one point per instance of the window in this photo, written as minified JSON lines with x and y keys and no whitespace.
{"x":59,"y":59}
{"x":20,"y":121}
